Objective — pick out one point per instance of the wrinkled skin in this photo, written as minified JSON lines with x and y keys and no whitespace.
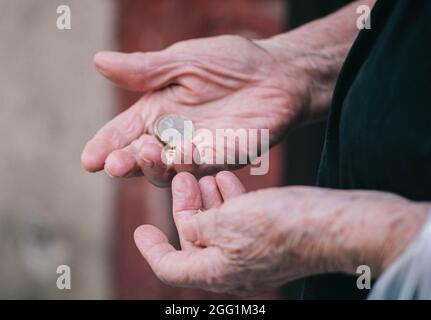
{"x":247,"y":243}
{"x":220,"y":82}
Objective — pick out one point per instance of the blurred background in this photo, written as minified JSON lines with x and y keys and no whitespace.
{"x":52,"y":101}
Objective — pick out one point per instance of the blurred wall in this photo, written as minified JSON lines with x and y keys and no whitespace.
{"x":51,"y":101}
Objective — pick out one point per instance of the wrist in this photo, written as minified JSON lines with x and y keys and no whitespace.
{"x":293,"y":68}
{"x":377,"y":233}
{"x":401,"y":237}
{"x":310,"y":70}
{"x":318,"y":49}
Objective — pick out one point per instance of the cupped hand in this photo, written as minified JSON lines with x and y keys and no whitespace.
{"x":231,"y":241}
{"x":246,"y":244}
{"x":218,"y":83}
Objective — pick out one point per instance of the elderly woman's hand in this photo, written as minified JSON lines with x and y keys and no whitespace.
{"x":225,"y":82}
{"x":248,"y":243}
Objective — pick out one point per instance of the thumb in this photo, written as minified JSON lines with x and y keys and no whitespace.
{"x":137,"y":71}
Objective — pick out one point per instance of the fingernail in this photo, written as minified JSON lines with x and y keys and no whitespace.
{"x":148,"y":163}
{"x":108,"y":173}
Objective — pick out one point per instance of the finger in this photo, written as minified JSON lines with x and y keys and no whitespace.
{"x":211,"y":197}
{"x":229,"y":185}
{"x":142,"y":157}
{"x":137,"y":71}
{"x":129,"y":160}
{"x":200,"y":228}
{"x":116,"y":134}
{"x":186,"y":201}
{"x":178,"y":268}
{"x":126,"y":162}
{"x":185,"y":156}
{"x":157,"y":172}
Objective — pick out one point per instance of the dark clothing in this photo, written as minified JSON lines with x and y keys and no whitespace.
{"x":379,"y":130}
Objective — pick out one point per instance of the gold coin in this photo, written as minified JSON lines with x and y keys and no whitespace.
{"x":173,"y":122}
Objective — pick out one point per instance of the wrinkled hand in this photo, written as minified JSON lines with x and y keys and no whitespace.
{"x":248,"y":243}
{"x":220,"y":82}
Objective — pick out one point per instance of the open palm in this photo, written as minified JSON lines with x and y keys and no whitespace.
{"x":221,"y":82}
